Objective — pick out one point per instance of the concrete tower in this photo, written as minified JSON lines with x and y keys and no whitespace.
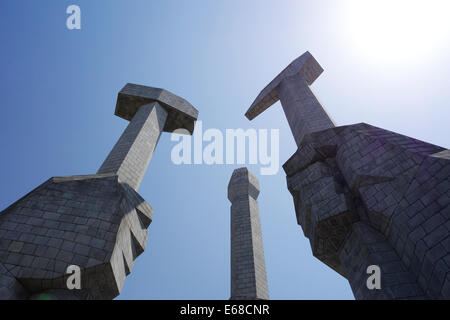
{"x":97,"y":222}
{"x":248,"y":267}
{"x":365,"y":196}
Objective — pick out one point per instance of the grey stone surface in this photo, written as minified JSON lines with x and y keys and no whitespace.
{"x":131,"y":155}
{"x":248,"y":267}
{"x":368,"y":196}
{"x":104,"y":245}
{"x":10,"y":287}
{"x":304,"y":112}
{"x":181,"y":114}
{"x":98,"y":222}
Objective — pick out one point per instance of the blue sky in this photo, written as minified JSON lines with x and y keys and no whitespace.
{"x":59,"y":88}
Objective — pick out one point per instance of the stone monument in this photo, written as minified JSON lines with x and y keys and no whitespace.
{"x":96,"y":222}
{"x":365,"y":196}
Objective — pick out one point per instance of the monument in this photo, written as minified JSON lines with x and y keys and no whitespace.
{"x":248,"y":267}
{"x":96,"y":222}
{"x":365,"y":196}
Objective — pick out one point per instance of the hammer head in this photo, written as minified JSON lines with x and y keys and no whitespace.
{"x":181,"y":114}
{"x":305,"y":65}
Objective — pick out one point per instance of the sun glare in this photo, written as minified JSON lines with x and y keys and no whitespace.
{"x":397,"y":30}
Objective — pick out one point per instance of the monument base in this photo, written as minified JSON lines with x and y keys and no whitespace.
{"x":367,"y":196}
{"x":94,"y":222}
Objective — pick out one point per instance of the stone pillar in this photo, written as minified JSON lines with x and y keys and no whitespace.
{"x":248,"y":268}
{"x":304,"y":112}
{"x":133,"y":151}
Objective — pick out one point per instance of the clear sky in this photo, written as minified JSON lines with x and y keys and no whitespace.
{"x":386,"y":63}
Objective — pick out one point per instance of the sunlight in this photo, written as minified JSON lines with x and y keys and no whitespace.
{"x":395,"y":31}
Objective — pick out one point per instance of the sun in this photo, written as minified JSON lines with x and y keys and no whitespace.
{"x":396,"y":31}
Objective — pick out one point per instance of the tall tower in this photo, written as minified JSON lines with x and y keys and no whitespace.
{"x":248,"y":267}
{"x":365,"y":196}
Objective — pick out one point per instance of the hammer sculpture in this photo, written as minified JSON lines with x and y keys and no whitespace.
{"x":303,"y":111}
{"x":374,"y":204}
{"x":95,"y":222}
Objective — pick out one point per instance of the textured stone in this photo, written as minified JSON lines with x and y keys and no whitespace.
{"x":131,"y":155}
{"x":304,"y":112}
{"x":305,"y":65}
{"x":60,"y":248}
{"x":248,"y":267}
{"x":392,"y":187}
{"x":98,"y":222}
{"x":368,"y":196}
{"x":181,"y":114}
